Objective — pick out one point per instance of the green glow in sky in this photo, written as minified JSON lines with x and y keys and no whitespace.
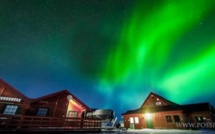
{"x":193,"y":72}
{"x":143,"y":53}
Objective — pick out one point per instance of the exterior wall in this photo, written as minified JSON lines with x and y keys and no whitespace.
{"x":127,"y":120}
{"x":153,"y":120}
{"x":57,"y":106}
{"x":23,"y":105}
{"x":205,"y":116}
{"x":154,"y":100}
{"x":160,"y":121}
{"x":73,"y":106}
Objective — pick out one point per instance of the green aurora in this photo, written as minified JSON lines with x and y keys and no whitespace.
{"x":149,"y":53}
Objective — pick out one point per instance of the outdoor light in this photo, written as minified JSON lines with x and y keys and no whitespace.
{"x":148,"y":116}
{"x":69,"y":97}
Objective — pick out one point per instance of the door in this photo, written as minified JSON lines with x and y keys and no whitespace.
{"x":132,"y":123}
{"x":149,"y":123}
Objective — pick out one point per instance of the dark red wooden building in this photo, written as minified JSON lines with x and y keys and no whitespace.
{"x":158,"y":112}
{"x":58,"y":104}
{"x":12,"y":101}
{"x":59,"y":111}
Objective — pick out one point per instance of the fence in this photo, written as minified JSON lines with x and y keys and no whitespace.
{"x":35,"y":123}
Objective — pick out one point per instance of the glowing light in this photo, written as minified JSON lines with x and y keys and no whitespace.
{"x":148,"y":116}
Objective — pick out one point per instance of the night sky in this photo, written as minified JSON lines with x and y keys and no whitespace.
{"x":110,"y":53}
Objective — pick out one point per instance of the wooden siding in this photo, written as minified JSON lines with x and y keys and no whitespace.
{"x":158,"y":120}
{"x":152,"y":101}
{"x":57,"y":106}
{"x":7,"y":91}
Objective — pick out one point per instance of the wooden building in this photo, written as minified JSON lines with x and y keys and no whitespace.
{"x":58,"y":104}
{"x":59,"y":111}
{"x":12,"y":101}
{"x":158,"y":112}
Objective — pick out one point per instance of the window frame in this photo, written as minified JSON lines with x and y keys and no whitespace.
{"x":136,"y":120}
{"x":169,"y":120}
{"x":176,"y":116}
{"x":40,"y":113}
{"x":71,"y":112}
{"x":199,"y":118}
{"x":158,"y":103}
{"x":9,"y":112}
{"x":131,"y":119}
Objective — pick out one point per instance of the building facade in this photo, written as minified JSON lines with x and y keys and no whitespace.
{"x":158,"y":112}
{"x":58,"y":104}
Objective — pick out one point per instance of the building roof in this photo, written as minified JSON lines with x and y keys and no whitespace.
{"x":164,"y":99}
{"x":33,"y":100}
{"x":188,"y":108}
{"x":15,"y":91}
{"x":197,"y":107}
{"x":60,"y":93}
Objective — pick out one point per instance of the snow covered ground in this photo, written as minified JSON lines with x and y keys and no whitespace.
{"x":161,"y":131}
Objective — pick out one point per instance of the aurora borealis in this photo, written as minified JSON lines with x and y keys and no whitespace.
{"x":144,"y":55}
{"x":110,"y":53}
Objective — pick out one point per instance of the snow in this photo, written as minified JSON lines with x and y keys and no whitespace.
{"x":160,"y":131}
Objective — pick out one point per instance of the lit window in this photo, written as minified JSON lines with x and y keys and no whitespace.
{"x":73,"y":114}
{"x":42,"y":111}
{"x":10,"y":109}
{"x":158,"y":103}
{"x":176,"y":118}
{"x":131,"y":120}
{"x":136,"y":119}
{"x":168,"y":118}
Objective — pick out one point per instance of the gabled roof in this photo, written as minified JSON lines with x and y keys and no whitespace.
{"x":171,"y":106}
{"x":165,"y":100}
{"x":197,"y":107}
{"x":60,"y":93}
{"x":15,"y":91}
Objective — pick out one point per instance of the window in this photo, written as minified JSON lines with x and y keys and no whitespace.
{"x":73,"y":114}
{"x":168,"y":118}
{"x":42,"y":111}
{"x":199,"y":118}
{"x":10,"y":109}
{"x":136,"y":119}
{"x":158,"y":103}
{"x":131,"y":120}
{"x":176,"y":118}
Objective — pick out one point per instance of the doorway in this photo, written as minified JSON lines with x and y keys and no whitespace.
{"x":149,"y":123}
